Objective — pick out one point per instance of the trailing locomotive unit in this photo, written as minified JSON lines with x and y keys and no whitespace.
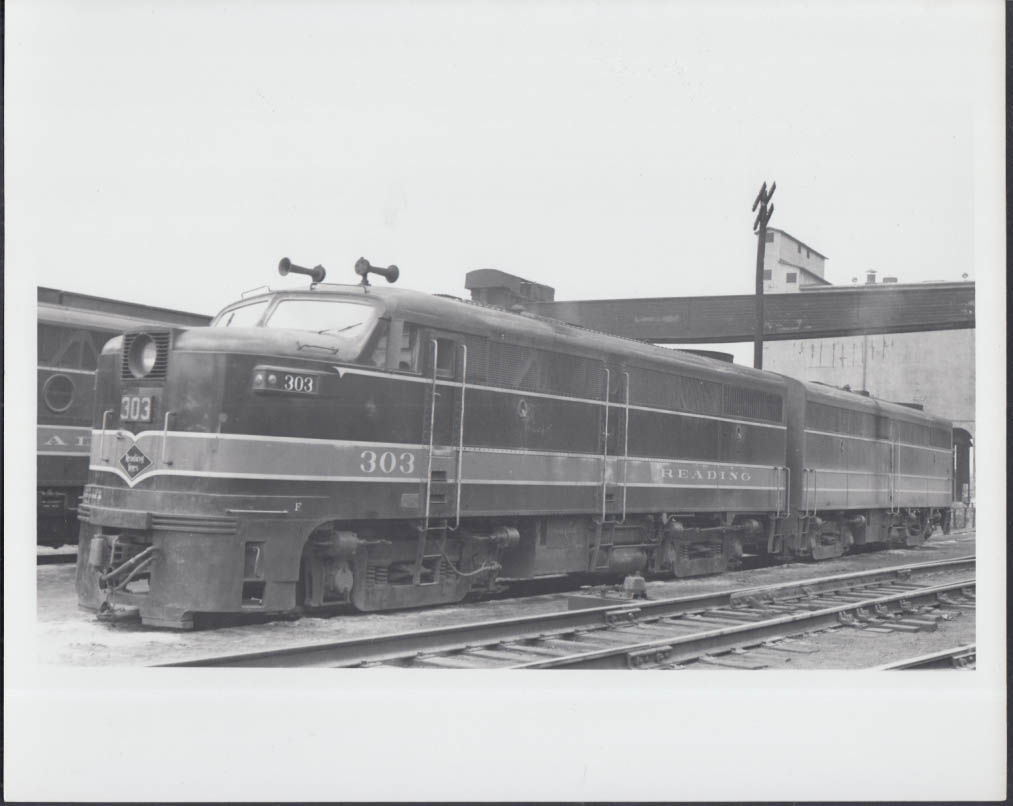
{"x":72,"y":329}
{"x":392,"y":449}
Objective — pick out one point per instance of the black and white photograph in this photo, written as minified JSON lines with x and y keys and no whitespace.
{"x":391,"y":357}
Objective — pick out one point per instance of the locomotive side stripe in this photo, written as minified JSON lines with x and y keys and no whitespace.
{"x":388,"y":479}
{"x":364,"y":461}
{"x":97,"y":435}
{"x":549,"y":396}
{"x":884,"y":442}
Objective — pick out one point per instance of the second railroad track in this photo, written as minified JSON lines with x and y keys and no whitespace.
{"x":665,"y":633}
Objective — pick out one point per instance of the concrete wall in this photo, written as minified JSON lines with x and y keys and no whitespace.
{"x":933,"y":368}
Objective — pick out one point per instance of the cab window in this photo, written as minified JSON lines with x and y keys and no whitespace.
{"x":408,"y":354}
{"x":334,"y":317}
{"x":377,"y":356}
{"x":243,"y":316}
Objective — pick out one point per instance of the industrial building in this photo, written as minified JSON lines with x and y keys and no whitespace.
{"x":789,"y":265}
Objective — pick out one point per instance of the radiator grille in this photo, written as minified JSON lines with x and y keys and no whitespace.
{"x":161,"y":367}
{"x":752,"y":404}
{"x":664,"y":390}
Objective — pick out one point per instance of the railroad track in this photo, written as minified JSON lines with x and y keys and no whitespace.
{"x":960,"y":657}
{"x":666,"y":633}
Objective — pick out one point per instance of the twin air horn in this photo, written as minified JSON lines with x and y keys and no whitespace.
{"x":362,"y":267}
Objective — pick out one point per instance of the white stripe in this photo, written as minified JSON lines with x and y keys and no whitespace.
{"x":67,"y":369}
{"x":97,"y":434}
{"x":879,"y":473}
{"x":259,"y":438}
{"x":409,"y":480}
{"x":84,"y":452}
{"x":65,"y":427}
{"x":550,"y":396}
{"x":757,"y":423}
{"x":236,"y":475}
{"x":884,"y":442}
{"x":709,"y":487}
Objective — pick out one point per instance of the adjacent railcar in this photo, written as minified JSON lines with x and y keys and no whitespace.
{"x":392,"y":449}
{"x":72,"y":328}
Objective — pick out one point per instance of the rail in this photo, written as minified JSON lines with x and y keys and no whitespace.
{"x":623,"y":627}
{"x":960,"y":657}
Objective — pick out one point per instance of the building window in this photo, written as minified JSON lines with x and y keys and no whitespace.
{"x":769,"y":237}
{"x":791,"y":277}
{"x":768,"y":274}
{"x":800,"y":249}
{"x":808,"y":253}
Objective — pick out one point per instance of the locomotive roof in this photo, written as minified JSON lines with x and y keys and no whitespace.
{"x":859,"y":402}
{"x":455,"y":314}
{"x":452,"y":313}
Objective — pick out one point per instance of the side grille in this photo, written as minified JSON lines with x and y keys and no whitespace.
{"x":161,"y":367}
{"x":207,"y":525}
{"x":752,"y":404}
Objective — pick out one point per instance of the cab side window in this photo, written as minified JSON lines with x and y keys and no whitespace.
{"x":445,"y":358}
{"x":408,"y":354}
{"x":377,"y":356}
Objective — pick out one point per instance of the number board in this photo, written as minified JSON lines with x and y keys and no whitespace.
{"x":304,"y":384}
{"x":286,"y":381}
{"x":135,"y":408}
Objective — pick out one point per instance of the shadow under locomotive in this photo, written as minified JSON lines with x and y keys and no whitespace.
{"x":388,"y":449}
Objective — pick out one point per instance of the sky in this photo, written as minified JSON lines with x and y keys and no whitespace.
{"x":170,"y":153}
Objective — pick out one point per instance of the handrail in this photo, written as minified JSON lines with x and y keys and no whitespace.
{"x":626,"y":442}
{"x":432,"y":434}
{"x":102,"y":439}
{"x":806,"y":495}
{"x":812,"y":472}
{"x":605,"y":444}
{"x":165,"y":436}
{"x":787,"y":491}
{"x":777,"y":492}
{"x":460,"y":437}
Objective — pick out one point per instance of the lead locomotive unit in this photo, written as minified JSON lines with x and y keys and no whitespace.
{"x":389,"y":448}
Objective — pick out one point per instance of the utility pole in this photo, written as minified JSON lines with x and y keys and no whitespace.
{"x":760,"y":228}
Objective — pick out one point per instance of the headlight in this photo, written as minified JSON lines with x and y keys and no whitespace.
{"x":142,"y":356}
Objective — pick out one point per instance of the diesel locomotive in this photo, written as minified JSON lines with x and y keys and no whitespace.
{"x":387,"y":448}
{"x":71,"y":331}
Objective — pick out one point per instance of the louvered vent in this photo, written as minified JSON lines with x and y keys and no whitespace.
{"x":752,"y":404}
{"x":664,"y":390}
{"x":161,"y":366}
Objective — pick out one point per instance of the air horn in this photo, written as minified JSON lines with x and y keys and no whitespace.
{"x":317,"y":272}
{"x":364,"y":268}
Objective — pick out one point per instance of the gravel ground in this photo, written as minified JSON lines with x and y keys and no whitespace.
{"x":71,"y":636}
